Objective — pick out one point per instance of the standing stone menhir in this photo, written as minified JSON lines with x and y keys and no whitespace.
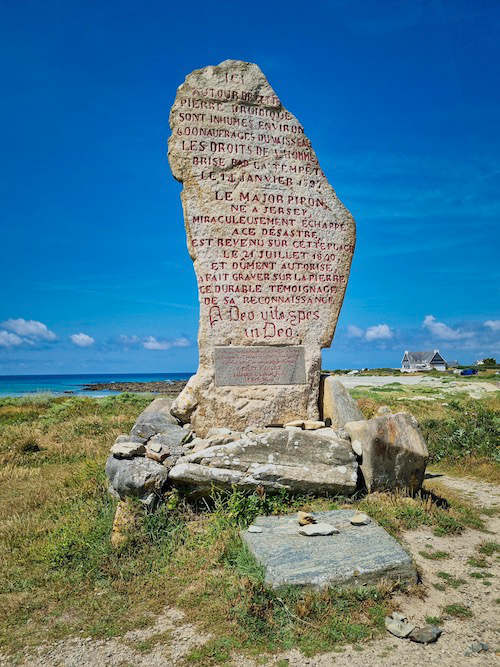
{"x":271,"y":245}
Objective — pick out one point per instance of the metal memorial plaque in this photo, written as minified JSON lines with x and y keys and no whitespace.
{"x":254,"y":365}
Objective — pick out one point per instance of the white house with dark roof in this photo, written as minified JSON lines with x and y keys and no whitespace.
{"x":422,"y":361}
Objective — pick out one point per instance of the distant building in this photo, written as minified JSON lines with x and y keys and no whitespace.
{"x":480,"y":362}
{"x":422,"y":361}
{"x":452,"y":364}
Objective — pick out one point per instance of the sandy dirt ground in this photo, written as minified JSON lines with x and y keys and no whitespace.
{"x":178,"y":637}
{"x":475,"y":389}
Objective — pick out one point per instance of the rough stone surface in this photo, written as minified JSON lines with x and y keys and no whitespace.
{"x":123,"y":524}
{"x":394,"y":453}
{"x":305,"y":518}
{"x":397,"y":626}
{"x":139,"y":477}
{"x":169,"y":441}
{"x":127,"y":449}
{"x":318,"y":529}
{"x":354,"y":557}
{"x":337,"y":403}
{"x":154,"y":419}
{"x":127,"y":438}
{"x":156,"y":450}
{"x":360,"y":519}
{"x":271,"y":245}
{"x":426,"y":635}
{"x":313,"y":461}
{"x":221,"y":436}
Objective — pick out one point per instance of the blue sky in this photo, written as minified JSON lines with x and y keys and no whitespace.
{"x":400,"y":99}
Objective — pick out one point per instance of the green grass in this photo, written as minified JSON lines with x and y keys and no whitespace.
{"x":457,"y":610}
{"x":489,"y":548}
{"x":434,"y":555}
{"x":433,"y":620}
{"x":450,"y":580}
{"x":478,"y":562}
{"x":470,"y":430}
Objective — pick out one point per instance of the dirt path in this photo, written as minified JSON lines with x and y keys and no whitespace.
{"x":169,"y":639}
{"x":475,"y":389}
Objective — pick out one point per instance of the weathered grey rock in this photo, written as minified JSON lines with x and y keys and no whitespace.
{"x":426,"y":635}
{"x":202,"y":479}
{"x":198,"y":444}
{"x":221,"y":436}
{"x":337,"y":403}
{"x":127,"y":450}
{"x":254,"y":529}
{"x":156,"y":450}
{"x":350,"y":559}
{"x":476,"y":647}
{"x":397,"y":626}
{"x":154,"y":419}
{"x":397,"y":614}
{"x":127,"y":438}
{"x":394,"y":453}
{"x":260,"y":358}
{"x":383,"y":410}
{"x":276,"y":459}
{"x":218,"y":431}
{"x":318,"y":529}
{"x":139,"y":477}
{"x":171,"y":440}
{"x":360,"y":519}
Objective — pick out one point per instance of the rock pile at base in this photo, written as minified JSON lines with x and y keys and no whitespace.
{"x":278,"y":458}
{"x":383,"y":453}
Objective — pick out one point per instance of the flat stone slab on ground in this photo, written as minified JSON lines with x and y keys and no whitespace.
{"x":358,"y":555}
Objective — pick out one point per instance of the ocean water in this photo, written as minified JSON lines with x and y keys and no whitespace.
{"x":20,"y":385}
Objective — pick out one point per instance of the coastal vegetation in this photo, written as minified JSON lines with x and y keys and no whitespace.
{"x":61,"y":577}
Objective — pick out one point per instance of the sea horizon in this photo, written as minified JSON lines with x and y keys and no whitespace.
{"x":73,"y":383}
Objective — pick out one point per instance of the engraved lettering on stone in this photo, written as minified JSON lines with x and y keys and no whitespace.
{"x":270,"y":241}
{"x":259,"y":365}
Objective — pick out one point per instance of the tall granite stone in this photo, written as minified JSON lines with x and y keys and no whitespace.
{"x":271,"y":245}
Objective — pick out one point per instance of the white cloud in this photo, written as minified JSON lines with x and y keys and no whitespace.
{"x":354,"y":331}
{"x":443,"y":331}
{"x":494,"y":325}
{"x":151,"y":343}
{"x":129,"y":340}
{"x":379,"y":332}
{"x":82,"y":340}
{"x":181,"y":342}
{"x":31,"y":329}
{"x":8,"y":339}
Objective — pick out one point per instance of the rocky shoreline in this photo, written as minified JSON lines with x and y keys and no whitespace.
{"x":172,"y":387}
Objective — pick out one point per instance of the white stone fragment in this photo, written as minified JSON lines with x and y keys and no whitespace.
{"x":360,"y":519}
{"x":314,"y":529}
{"x":127,"y":450}
{"x":254,"y":529}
